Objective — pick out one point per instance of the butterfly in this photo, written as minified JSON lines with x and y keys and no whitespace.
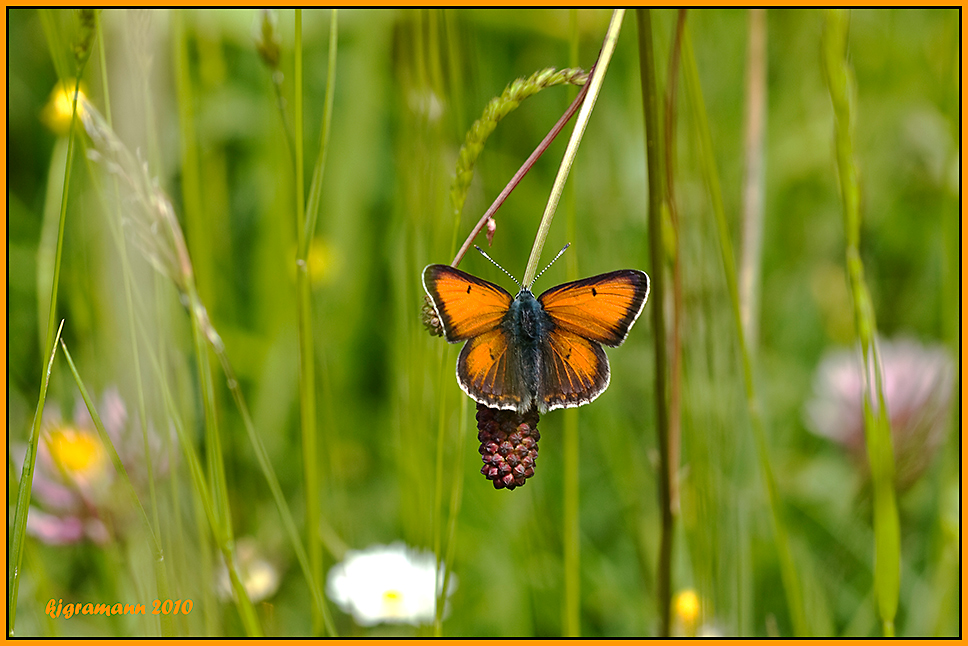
{"x":524,"y":351}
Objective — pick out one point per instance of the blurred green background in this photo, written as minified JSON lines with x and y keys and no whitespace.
{"x":409,"y":84}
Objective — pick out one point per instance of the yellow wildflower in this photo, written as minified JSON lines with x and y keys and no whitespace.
{"x":56,"y":115}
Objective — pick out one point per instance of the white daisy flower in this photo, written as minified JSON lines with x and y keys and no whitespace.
{"x":387,"y":584}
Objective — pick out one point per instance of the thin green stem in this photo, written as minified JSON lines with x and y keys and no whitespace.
{"x":657,"y":198}
{"x":113,"y":454}
{"x":216,"y":462}
{"x":268,"y":47}
{"x":595,"y":86}
{"x":307,"y":354}
{"x":26,"y":480}
{"x":298,"y":120}
{"x":571,"y":491}
{"x":209,"y":504}
{"x":272,"y":480}
{"x":307,"y":391}
{"x":196,"y":223}
{"x":55,"y":283}
{"x":316,"y":187}
{"x":153,"y":217}
{"x":877,"y":429}
{"x":669,"y":440}
{"x":23,"y":491}
{"x":788,"y":569}
{"x":191,"y":282}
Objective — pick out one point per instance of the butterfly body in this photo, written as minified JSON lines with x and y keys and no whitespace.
{"x":524,"y":351}
{"x":527,"y":322}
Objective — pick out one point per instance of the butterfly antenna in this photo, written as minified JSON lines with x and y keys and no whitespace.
{"x":499,"y":266}
{"x":549,"y":265}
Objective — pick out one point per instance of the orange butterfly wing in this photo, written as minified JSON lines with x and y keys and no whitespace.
{"x":574,"y":370}
{"x":472,"y":309}
{"x":492,"y":368}
{"x":488,"y":371}
{"x":601,"y":308}
{"x":466,"y":305}
{"x":585,"y":314}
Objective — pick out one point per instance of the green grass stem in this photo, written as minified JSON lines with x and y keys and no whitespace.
{"x":571,"y":489}
{"x":316,"y":187}
{"x":167,"y":253}
{"x":203,"y":494}
{"x":216,"y":460}
{"x":788,"y":569}
{"x":307,"y":355}
{"x":272,"y":480}
{"x":669,"y":445}
{"x":23,"y":492}
{"x":653,"y":141}
{"x":199,"y":239}
{"x":877,"y":429}
{"x":595,"y":86}
{"x":26,"y":480}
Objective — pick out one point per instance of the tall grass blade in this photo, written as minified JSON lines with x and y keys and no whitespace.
{"x":877,"y":429}
{"x":19,"y":528}
{"x":307,"y":355}
{"x":788,"y":569}
{"x":26,"y":482}
{"x":657,"y":198}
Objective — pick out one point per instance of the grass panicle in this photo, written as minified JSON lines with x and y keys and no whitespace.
{"x":167,"y":253}
{"x":498,"y":108}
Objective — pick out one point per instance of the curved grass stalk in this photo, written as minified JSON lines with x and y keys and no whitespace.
{"x":788,"y":569}
{"x":203,"y":494}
